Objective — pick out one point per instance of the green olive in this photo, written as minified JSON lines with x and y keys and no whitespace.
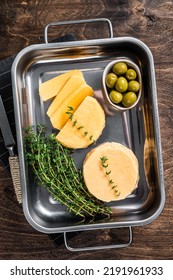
{"x":133,"y":86}
{"x":115,"y":96}
{"x":120,"y":68}
{"x":110,"y":80}
{"x":129,"y":99}
{"x":121,"y":84}
{"x":131,"y":74}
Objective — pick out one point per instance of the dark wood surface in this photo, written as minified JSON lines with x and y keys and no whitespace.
{"x":22,"y":24}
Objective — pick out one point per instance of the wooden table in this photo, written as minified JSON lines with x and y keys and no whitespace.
{"x":22,"y":24}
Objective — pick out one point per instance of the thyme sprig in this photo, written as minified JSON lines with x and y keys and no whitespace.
{"x":105,"y":165}
{"x":54,"y":168}
{"x":79,"y":127}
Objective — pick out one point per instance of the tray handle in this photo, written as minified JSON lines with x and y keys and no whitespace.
{"x":100,"y":247}
{"x":78,"y":22}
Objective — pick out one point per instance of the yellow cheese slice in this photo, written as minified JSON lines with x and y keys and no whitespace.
{"x":122,"y":179}
{"x":71,"y":85}
{"x":52,"y":87}
{"x":90,"y":116}
{"x":60,"y":117}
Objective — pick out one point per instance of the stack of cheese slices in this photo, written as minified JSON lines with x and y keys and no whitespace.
{"x":117,"y":177}
{"x":74,"y":111}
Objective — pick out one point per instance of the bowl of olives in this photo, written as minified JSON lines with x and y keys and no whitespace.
{"x":122,"y":84}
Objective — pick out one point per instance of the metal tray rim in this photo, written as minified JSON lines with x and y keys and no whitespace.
{"x":93,"y":226}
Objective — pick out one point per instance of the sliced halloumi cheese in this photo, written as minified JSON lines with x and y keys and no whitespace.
{"x":122,"y":165}
{"x":52,"y":87}
{"x":70,"y":86}
{"x":90,"y":119}
{"x":60,"y":117}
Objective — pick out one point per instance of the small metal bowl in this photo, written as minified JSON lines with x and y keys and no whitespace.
{"x":107,"y":70}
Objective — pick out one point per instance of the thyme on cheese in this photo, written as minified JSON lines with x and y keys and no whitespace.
{"x":105,"y":165}
{"x":75,"y":122}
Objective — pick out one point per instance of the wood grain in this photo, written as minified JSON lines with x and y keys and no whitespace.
{"x":22,"y":24}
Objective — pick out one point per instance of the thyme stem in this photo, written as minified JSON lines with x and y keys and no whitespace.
{"x":105,"y":165}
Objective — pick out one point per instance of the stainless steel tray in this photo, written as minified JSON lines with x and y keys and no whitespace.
{"x":137,"y":128}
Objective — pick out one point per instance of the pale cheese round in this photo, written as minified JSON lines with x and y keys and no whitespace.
{"x":91,"y":118}
{"x":121,"y":167}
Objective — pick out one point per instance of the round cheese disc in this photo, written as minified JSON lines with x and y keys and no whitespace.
{"x":111,"y":171}
{"x":90,"y":119}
